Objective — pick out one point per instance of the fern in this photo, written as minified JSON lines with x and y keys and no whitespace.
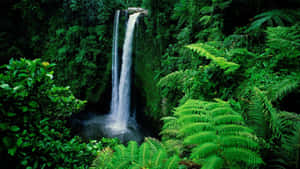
{"x":204,"y":150}
{"x":282,"y":88}
{"x":195,"y":128}
{"x":225,"y":119}
{"x":213,"y":162}
{"x":274,"y":18}
{"x":278,"y":129}
{"x":284,"y":41}
{"x":223,"y":133}
{"x":192,"y":118}
{"x":133,"y":150}
{"x":261,"y":116}
{"x":151,"y":154}
{"x":172,"y":79}
{"x":144,"y":154}
{"x":216,"y":56}
{"x":242,"y":155}
{"x":159,"y":157}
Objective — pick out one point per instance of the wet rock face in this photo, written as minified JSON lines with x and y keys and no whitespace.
{"x":132,"y":10}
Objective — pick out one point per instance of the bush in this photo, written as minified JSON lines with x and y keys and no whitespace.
{"x":33,"y":118}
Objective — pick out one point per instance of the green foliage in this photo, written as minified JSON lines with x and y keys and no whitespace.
{"x":276,"y":128}
{"x":82,"y":57}
{"x":151,"y":154}
{"x":276,"y":17}
{"x":217,"y":134}
{"x":215,"y":55}
{"x":209,"y":74}
{"x":256,"y":68}
{"x":33,"y":118}
{"x":283,"y":45}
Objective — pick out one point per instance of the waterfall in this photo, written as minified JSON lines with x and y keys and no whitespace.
{"x":120,"y":110}
{"x":115,"y":66}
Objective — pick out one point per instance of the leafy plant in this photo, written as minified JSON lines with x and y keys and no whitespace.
{"x":283,"y":45}
{"x":276,"y":17}
{"x":277,"y":128}
{"x":33,"y":119}
{"x":151,"y":154}
{"x":217,"y":135}
{"x":215,"y":55}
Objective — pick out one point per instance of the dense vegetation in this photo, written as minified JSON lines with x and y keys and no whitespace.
{"x":219,"y":79}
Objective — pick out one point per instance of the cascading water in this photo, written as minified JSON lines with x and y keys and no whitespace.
{"x":115,"y":67}
{"x":118,"y":122}
{"x":121,"y":114}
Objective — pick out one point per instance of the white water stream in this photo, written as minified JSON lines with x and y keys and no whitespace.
{"x":120,"y":104}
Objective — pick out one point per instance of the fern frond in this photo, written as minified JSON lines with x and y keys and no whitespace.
{"x":132,"y":150}
{"x":154,"y":144}
{"x":232,"y":129}
{"x":189,"y":111}
{"x":120,"y":151}
{"x":274,"y":18}
{"x":151,"y":154}
{"x":213,"y":105}
{"x":200,"y":138}
{"x":170,"y":122}
{"x":281,"y":89}
{"x":122,"y":165}
{"x":169,"y":132}
{"x":144,"y":154}
{"x":213,"y":162}
{"x":174,"y":146}
{"x":242,"y":155}
{"x":211,"y":128}
{"x":285,"y":41}
{"x":172,"y":163}
{"x":194,"y":104}
{"x":204,"y":150}
{"x":176,"y":79}
{"x":239,"y":141}
{"x":220,"y":111}
{"x":158,"y":158}
{"x":135,"y":166}
{"x":192,"y":118}
{"x":262,"y":117}
{"x":216,"y":56}
{"x":229,"y":119}
{"x":193,"y":128}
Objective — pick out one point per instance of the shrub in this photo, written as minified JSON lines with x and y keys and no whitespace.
{"x":33,"y":117}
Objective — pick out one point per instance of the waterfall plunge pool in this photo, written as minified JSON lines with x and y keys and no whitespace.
{"x":93,"y":126}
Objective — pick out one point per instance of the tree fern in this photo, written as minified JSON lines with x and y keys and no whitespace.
{"x":216,"y":56}
{"x":223,"y":133}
